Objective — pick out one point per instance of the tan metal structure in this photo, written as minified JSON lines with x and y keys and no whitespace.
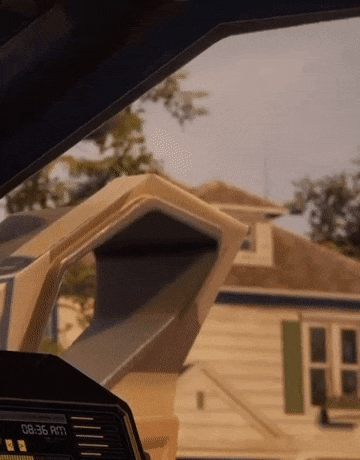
{"x":161,"y":256}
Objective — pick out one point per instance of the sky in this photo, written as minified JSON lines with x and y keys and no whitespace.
{"x":288,"y":99}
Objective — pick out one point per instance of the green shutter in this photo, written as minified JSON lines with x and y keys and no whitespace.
{"x":293,"y":385}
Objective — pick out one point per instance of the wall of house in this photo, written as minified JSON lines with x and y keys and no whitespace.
{"x":238,"y":378}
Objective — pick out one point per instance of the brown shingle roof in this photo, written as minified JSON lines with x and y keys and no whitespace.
{"x":219,"y":191}
{"x":301,"y":265}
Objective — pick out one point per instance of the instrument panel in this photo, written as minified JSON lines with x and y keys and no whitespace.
{"x":56,"y":431}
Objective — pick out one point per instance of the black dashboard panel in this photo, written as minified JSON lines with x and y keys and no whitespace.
{"x":47,"y":431}
{"x":51,"y":411}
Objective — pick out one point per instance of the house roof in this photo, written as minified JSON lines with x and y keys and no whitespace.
{"x":231,"y":198}
{"x":300,"y":264}
{"x":221,"y":192}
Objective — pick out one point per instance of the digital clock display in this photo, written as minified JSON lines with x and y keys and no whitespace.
{"x":35,"y":432}
{"x":43,"y":430}
{"x":64,"y":432}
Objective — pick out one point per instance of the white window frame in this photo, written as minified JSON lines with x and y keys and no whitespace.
{"x":333,"y":365}
{"x":263,"y":256}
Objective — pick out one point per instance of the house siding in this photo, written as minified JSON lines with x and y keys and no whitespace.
{"x":242,"y":347}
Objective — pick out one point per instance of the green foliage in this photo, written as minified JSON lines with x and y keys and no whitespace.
{"x":79,"y":283}
{"x":79,"y":286}
{"x":334,"y":205}
{"x":179,"y":103}
{"x":48,"y":346}
{"x":122,"y":151}
{"x":38,"y":192}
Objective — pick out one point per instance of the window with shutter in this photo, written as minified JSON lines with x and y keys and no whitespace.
{"x":331,"y":360}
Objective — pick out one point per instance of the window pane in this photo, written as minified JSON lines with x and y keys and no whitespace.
{"x":349,"y":382}
{"x":317,"y":343}
{"x":245,"y":245}
{"x":318,"y":387}
{"x":348,"y":343}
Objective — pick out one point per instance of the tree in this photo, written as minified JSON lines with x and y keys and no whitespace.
{"x":334,"y":205}
{"x":122,"y":151}
{"x":38,"y":192}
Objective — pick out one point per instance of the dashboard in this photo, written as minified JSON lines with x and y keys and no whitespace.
{"x":67,"y":423}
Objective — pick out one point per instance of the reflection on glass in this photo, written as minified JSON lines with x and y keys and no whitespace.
{"x":318,"y":387}
{"x":348,"y":346}
{"x":318,"y":345}
{"x":349,"y":382}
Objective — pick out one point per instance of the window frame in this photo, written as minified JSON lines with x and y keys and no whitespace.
{"x":262,"y":253}
{"x":333,"y":365}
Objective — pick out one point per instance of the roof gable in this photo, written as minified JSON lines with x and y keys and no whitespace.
{"x":221,"y":192}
